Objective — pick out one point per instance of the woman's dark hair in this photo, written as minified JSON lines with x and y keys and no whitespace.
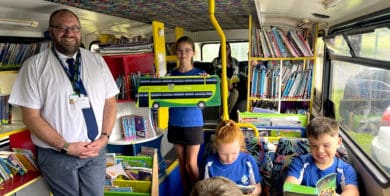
{"x":229,"y":55}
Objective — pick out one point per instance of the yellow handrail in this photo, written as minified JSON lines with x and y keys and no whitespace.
{"x":225,"y":114}
{"x":221,"y":34}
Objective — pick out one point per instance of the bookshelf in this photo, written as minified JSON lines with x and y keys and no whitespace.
{"x":31,"y":181}
{"x":126,"y":69}
{"x":280,"y":70}
{"x":14,"y":51}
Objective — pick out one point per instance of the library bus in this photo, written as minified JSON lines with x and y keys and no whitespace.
{"x":344,"y":48}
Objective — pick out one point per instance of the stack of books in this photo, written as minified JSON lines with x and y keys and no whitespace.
{"x":277,"y":43}
{"x":16,"y":162}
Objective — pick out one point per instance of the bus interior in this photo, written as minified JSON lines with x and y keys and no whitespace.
{"x":351,"y":81}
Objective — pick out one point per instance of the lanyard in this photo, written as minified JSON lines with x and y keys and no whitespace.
{"x":76,"y":82}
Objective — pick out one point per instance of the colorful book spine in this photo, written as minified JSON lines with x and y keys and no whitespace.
{"x":268,"y":40}
{"x":264,"y":45}
{"x":290,"y":82}
{"x":275,"y":45}
{"x":262,"y":80}
{"x":287,"y":43}
{"x":306,"y":44}
{"x":279,"y":41}
{"x":307,"y":93}
{"x":254,"y":81}
{"x":299,"y":43}
{"x":295,"y":84}
{"x":15,"y":161}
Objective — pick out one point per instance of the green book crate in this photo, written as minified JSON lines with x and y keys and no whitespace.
{"x":140,"y":187}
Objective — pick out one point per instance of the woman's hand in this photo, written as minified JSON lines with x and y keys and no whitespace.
{"x":204,"y":74}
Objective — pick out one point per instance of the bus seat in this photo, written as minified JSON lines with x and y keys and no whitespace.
{"x":206,"y":66}
{"x":273,"y":164}
{"x":258,"y":148}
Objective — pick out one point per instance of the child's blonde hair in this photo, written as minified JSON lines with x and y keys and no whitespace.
{"x":216,"y":186}
{"x":228,"y":132}
{"x":322,"y":125}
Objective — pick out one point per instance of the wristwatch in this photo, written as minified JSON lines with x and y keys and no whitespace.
{"x":105,"y":134}
{"x":64,"y":149}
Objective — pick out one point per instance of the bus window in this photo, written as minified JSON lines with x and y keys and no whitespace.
{"x":361,"y":93}
{"x":373,"y":45}
{"x":239,"y":51}
{"x":338,"y":46}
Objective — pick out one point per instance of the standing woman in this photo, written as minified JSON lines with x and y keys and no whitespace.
{"x":185,"y":126}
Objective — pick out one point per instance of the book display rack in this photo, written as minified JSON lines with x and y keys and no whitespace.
{"x":282,"y":63}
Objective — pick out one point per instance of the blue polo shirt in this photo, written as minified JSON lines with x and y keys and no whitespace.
{"x":307,"y":173}
{"x":186,"y":116}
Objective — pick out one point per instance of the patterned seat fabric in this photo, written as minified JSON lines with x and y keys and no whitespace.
{"x":287,"y":149}
{"x":258,"y":148}
{"x":273,"y":165}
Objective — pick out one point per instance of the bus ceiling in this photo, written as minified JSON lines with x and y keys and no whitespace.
{"x":132,"y":18}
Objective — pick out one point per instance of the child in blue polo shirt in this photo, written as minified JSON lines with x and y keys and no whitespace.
{"x":323,"y":136}
{"x":231,"y":162}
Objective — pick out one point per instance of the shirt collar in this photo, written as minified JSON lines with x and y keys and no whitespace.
{"x":64,"y":57}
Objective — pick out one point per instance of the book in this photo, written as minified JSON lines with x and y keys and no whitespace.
{"x":116,"y":170}
{"x":13,"y":164}
{"x":7,"y":170}
{"x":324,"y":186}
{"x":110,"y":159}
{"x":28,"y":163}
{"x":280,"y":43}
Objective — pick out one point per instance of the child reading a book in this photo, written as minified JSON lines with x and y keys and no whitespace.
{"x":323,"y":136}
{"x":230,"y":161}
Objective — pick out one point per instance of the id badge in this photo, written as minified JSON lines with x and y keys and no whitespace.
{"x":73,"y":97}
{"x":81,"y":101}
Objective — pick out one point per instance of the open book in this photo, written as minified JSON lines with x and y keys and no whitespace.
{"x":326,"y":186}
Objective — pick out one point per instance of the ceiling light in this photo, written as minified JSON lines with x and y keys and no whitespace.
{"x":24,"y":23}
{"x":330,"y":3}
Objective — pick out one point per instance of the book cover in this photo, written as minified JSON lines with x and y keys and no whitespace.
{"x":264,"y":45}
{"x":3,"y":173}
{"x":15,"y":161}
{"x":324,"y":186}
{"x":14,"y":169}
{"x":254,"y":81}
{"x":12,"y":163}
{"x":110,"y":159}
{"x":299,"y":43}
{"x":287,"y":43}
{"x":275,"y":45}
{"x":128,"y":127}
{"x":140,"y":129}
{"x":280,"y":43}
{"x":268,"y":40}
{"x":27,"y":163}
{"x":7,"y":170}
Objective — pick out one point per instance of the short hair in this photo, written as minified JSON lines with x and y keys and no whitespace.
{"x":216,"y":186}
{"x":52,"y":15}
{"x":227,"y":132}
{"x":185,"y":39}
{"x":319,"y":126}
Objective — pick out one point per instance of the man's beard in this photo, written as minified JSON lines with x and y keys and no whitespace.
{"x":67,"y":49}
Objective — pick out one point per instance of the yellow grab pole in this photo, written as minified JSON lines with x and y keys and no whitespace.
{"x":224,"y":87}
{"x":225,"y":114}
